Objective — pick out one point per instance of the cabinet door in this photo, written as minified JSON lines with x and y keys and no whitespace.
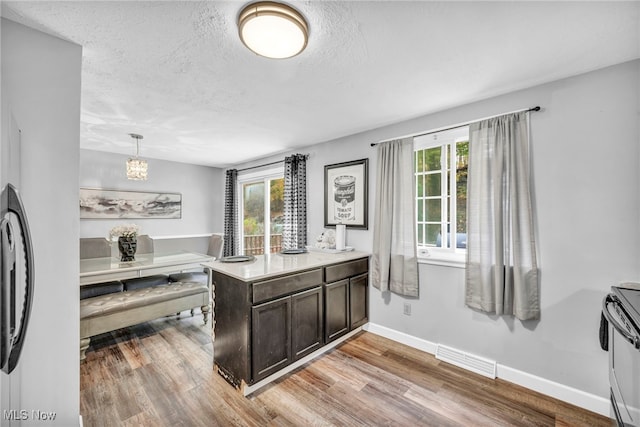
{"x":336,"y":308}
{"x":271,"y":337}
{"x":306,"y":322}
{"x":359,"y":303}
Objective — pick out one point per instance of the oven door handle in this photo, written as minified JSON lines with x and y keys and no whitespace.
{"x":632,"y":338}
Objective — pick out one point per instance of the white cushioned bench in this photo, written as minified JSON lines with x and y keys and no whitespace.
{"x":114,"y":305}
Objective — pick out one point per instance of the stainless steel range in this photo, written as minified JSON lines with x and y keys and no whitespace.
{"x":621,"y":308}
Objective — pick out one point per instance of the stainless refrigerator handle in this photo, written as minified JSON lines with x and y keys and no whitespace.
{"x":15,"y":206}
{"x":632,"y":338}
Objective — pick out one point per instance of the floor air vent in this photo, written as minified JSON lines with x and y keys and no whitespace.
{"x":468,"y":361}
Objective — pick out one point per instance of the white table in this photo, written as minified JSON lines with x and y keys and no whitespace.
{"x":97,"y":270}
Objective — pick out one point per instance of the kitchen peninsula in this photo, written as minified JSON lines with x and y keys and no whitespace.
{"x":277,"y":311}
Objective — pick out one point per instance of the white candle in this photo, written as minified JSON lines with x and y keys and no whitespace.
{"x":341,"y":231}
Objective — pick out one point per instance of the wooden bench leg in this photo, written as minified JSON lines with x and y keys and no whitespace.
{"x":205,"y":313}
{"x":84,"y":345}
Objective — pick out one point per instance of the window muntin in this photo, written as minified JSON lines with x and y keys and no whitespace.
{"x":440,"y":167}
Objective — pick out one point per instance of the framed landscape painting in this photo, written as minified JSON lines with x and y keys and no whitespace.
{"x":97,"y":203}
{"x":346,"y":194}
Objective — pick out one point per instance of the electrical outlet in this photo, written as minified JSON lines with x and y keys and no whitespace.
{"x":407,"y":309}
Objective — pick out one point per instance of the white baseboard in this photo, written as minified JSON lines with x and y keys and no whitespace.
{"x":401,"y":337}
{"x":591,"y":402}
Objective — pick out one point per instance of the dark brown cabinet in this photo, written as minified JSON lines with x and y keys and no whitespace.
{"x":346,"y":297}
{"x":261,"y":326}
{"x":358,"y":300}
{"x":337,"y":309}
{"x":271,"y":324}
{"x":306,"y":320}
{"x":285,"y":330}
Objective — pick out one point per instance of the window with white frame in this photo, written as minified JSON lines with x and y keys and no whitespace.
{"x":441,"y":160}
{"x":261,"y":211}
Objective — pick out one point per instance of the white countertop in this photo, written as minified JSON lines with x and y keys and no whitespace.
{"x":265,"y":266}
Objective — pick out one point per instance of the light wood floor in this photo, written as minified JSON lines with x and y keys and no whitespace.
{"x":160,"y":374}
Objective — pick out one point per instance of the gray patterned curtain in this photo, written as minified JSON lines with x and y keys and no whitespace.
{"x":294,"y":235}
{"x":231,"y":243}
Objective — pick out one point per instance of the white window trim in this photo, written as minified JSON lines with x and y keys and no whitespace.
{"x":243,"y":178}
{"x":449,"y":257}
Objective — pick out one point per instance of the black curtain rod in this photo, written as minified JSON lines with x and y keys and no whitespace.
{"x":536,"y":108}
{"x":306,"y":156}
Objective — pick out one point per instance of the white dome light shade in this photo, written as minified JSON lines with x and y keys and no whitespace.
{"x":272,"y":30}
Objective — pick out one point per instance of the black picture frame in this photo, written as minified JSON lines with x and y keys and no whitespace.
{"x":346,"y":194}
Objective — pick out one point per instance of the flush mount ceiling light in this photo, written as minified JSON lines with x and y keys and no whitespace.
{"x":137,"y":168}
{"x":273,"y":30}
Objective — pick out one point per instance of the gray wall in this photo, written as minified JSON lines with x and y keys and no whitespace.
{"x":585,"y":175}
{"x":202,"y":190}
{"x":41,"y":88}
{"x":585,"y":178}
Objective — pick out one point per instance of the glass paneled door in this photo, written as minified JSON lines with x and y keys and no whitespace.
{"x":262,"y":233}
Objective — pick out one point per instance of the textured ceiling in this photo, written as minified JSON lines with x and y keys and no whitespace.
{"x":177,"y":73}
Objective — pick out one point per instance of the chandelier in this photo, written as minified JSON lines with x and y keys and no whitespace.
{"x":137,"y":168}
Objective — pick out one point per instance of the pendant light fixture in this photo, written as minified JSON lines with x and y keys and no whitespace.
{"x":273,"y":30}
{"x":137,"y":168}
